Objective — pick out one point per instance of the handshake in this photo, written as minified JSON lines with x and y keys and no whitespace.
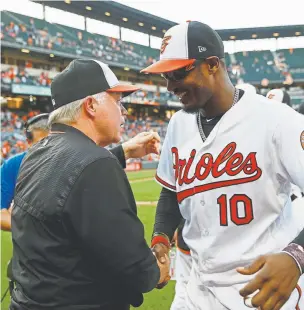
{"x":160,"y":248}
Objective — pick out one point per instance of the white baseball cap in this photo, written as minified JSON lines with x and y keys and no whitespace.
{"x":279,"y":95}
{"x":183,"y":44}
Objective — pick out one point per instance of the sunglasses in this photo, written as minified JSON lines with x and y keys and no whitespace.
{"x":180,"y":74}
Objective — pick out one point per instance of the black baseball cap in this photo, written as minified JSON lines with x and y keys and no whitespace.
{"x":85,"y":77}
{"x":183,"y":44}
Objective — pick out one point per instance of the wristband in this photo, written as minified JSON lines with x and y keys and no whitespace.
{"x":297,"y":253}
{"x":160,"y":238}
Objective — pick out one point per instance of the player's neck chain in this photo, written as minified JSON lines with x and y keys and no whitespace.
{"x":199,"y":119}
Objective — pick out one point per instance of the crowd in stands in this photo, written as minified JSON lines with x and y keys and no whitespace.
{"x":254,"y":66}
{"x":13,"y":140}
{"x":37,"y":33}
{"x":20,"y":75}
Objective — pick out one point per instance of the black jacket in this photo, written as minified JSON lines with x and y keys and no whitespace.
{"x":78,"y":243}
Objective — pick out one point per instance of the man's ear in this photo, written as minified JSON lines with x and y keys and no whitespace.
{"x":213,"y":64}
{"x":89,"y":106}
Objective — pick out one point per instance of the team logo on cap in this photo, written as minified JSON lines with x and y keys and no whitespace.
{"x":270,"y":96}
{"x":302,"y":139}
{"x":165,"y":42}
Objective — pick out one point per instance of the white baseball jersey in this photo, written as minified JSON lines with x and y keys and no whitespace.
{"x":234,"y":189}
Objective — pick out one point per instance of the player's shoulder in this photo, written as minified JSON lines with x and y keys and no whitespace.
{"x":181,"y":116}
{"x":15,"y":160}
{"x":272,"y":108}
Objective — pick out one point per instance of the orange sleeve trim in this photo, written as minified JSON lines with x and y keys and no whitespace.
{"x":300,"y":295}
{"x":161,"y":181}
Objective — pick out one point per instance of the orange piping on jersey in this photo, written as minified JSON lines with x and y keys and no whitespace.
{"x":164,"y":183}
{"x":300,"y":295}
{"x":181,"y":250}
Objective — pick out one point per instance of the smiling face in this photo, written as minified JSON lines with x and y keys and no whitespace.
{"x":198,"y":85}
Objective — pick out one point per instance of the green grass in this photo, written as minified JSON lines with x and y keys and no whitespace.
{"x":143,"y":191}
{"x":6,"y":255}
{"x":141,"y":174}
{"x":146,"y":190}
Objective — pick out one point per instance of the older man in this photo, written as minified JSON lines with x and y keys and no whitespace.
{"x":78,"y":243}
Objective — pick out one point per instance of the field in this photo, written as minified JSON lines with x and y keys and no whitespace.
{"x":145,"y":190}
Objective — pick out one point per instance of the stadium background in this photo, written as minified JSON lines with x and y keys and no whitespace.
{"x":34,"y":50}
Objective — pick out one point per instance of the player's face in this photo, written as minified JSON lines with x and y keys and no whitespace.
{"x":195,"y":89}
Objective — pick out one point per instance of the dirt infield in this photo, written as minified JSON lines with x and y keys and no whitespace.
{"x":146,"y":203}
{"x":141,"y":180}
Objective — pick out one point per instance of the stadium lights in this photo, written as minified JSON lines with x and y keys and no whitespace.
{"x":52,"y":55}
{"x":24,"y":50}
{"x":276,"y":34}
{"x":153,"y":28}
{"x":88,"y":8}
{"x":232,"y":37}
{"x":140,"y":24}
{"x":67,"y":1}
{"x":126,"y":69}
{"x":164,"y":31}
{"x":298,"y":33}
{"x":107,"y":13}
{"x":125,"y":19}
{"x":254,"y":36}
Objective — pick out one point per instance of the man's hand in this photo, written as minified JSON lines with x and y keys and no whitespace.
{"x":141,"y":145}
{"x":277,"y":278}
{"x":160,"y":251}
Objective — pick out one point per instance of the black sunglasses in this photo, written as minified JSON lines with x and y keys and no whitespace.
{"x":180,"y":74}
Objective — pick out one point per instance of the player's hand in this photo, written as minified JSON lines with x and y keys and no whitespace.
{"x":160,"y":251}
{"x":277,"y":277}
{"x":164,"y":269}
{"x":141,"y":145}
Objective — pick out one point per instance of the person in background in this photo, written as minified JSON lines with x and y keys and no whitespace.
{"x":36,"y":128}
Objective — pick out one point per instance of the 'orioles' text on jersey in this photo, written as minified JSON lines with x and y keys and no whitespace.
{"x":234,"y":188}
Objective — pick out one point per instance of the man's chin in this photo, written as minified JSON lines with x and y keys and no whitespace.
{"x":191,"y":109}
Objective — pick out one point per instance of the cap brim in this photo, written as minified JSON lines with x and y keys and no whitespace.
{"x":125,"y":89}
{"x":167,"y":65}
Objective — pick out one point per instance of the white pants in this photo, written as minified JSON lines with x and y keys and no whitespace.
{"x":200,"y":297}
{"x":183,"y":264}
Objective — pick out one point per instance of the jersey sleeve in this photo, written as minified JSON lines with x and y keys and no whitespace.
{"x":289,"y":142}
{"x":165,"y":174}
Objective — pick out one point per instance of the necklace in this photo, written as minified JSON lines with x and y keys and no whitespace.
{"x":199,"y":121}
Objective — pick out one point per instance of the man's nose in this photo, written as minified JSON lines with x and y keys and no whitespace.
{"x":170,"y":85}
{"x":124,"y":111}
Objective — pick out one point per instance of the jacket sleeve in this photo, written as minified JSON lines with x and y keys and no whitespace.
{"x":118,"y":152}
{"x":103,"y":216}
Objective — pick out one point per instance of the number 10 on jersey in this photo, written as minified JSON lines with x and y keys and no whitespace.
{"x":235,"y":204}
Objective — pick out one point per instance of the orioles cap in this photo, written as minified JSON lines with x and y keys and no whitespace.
{"x":279,"y":95}
{"x":183,"y":44}
{"x":85,"y":77}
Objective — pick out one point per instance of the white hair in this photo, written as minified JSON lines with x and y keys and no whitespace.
{"x":70,"y":112}
{"x":40,"y":125}
{"x":66,"y":114}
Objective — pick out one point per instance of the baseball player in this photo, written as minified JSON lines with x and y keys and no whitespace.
{"x":227,"y":164}
{"x":279,"y":95}
{"x":283,"y":96}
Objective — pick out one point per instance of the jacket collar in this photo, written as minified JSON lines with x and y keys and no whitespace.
{"x":62,"y":128}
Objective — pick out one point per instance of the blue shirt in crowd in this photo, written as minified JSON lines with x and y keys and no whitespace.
{"x":9,"y":174}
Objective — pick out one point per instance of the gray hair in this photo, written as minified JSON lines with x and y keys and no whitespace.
{"x":70,"y":112}
{"x":40,"y":125}
{"x":66,"y":114}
